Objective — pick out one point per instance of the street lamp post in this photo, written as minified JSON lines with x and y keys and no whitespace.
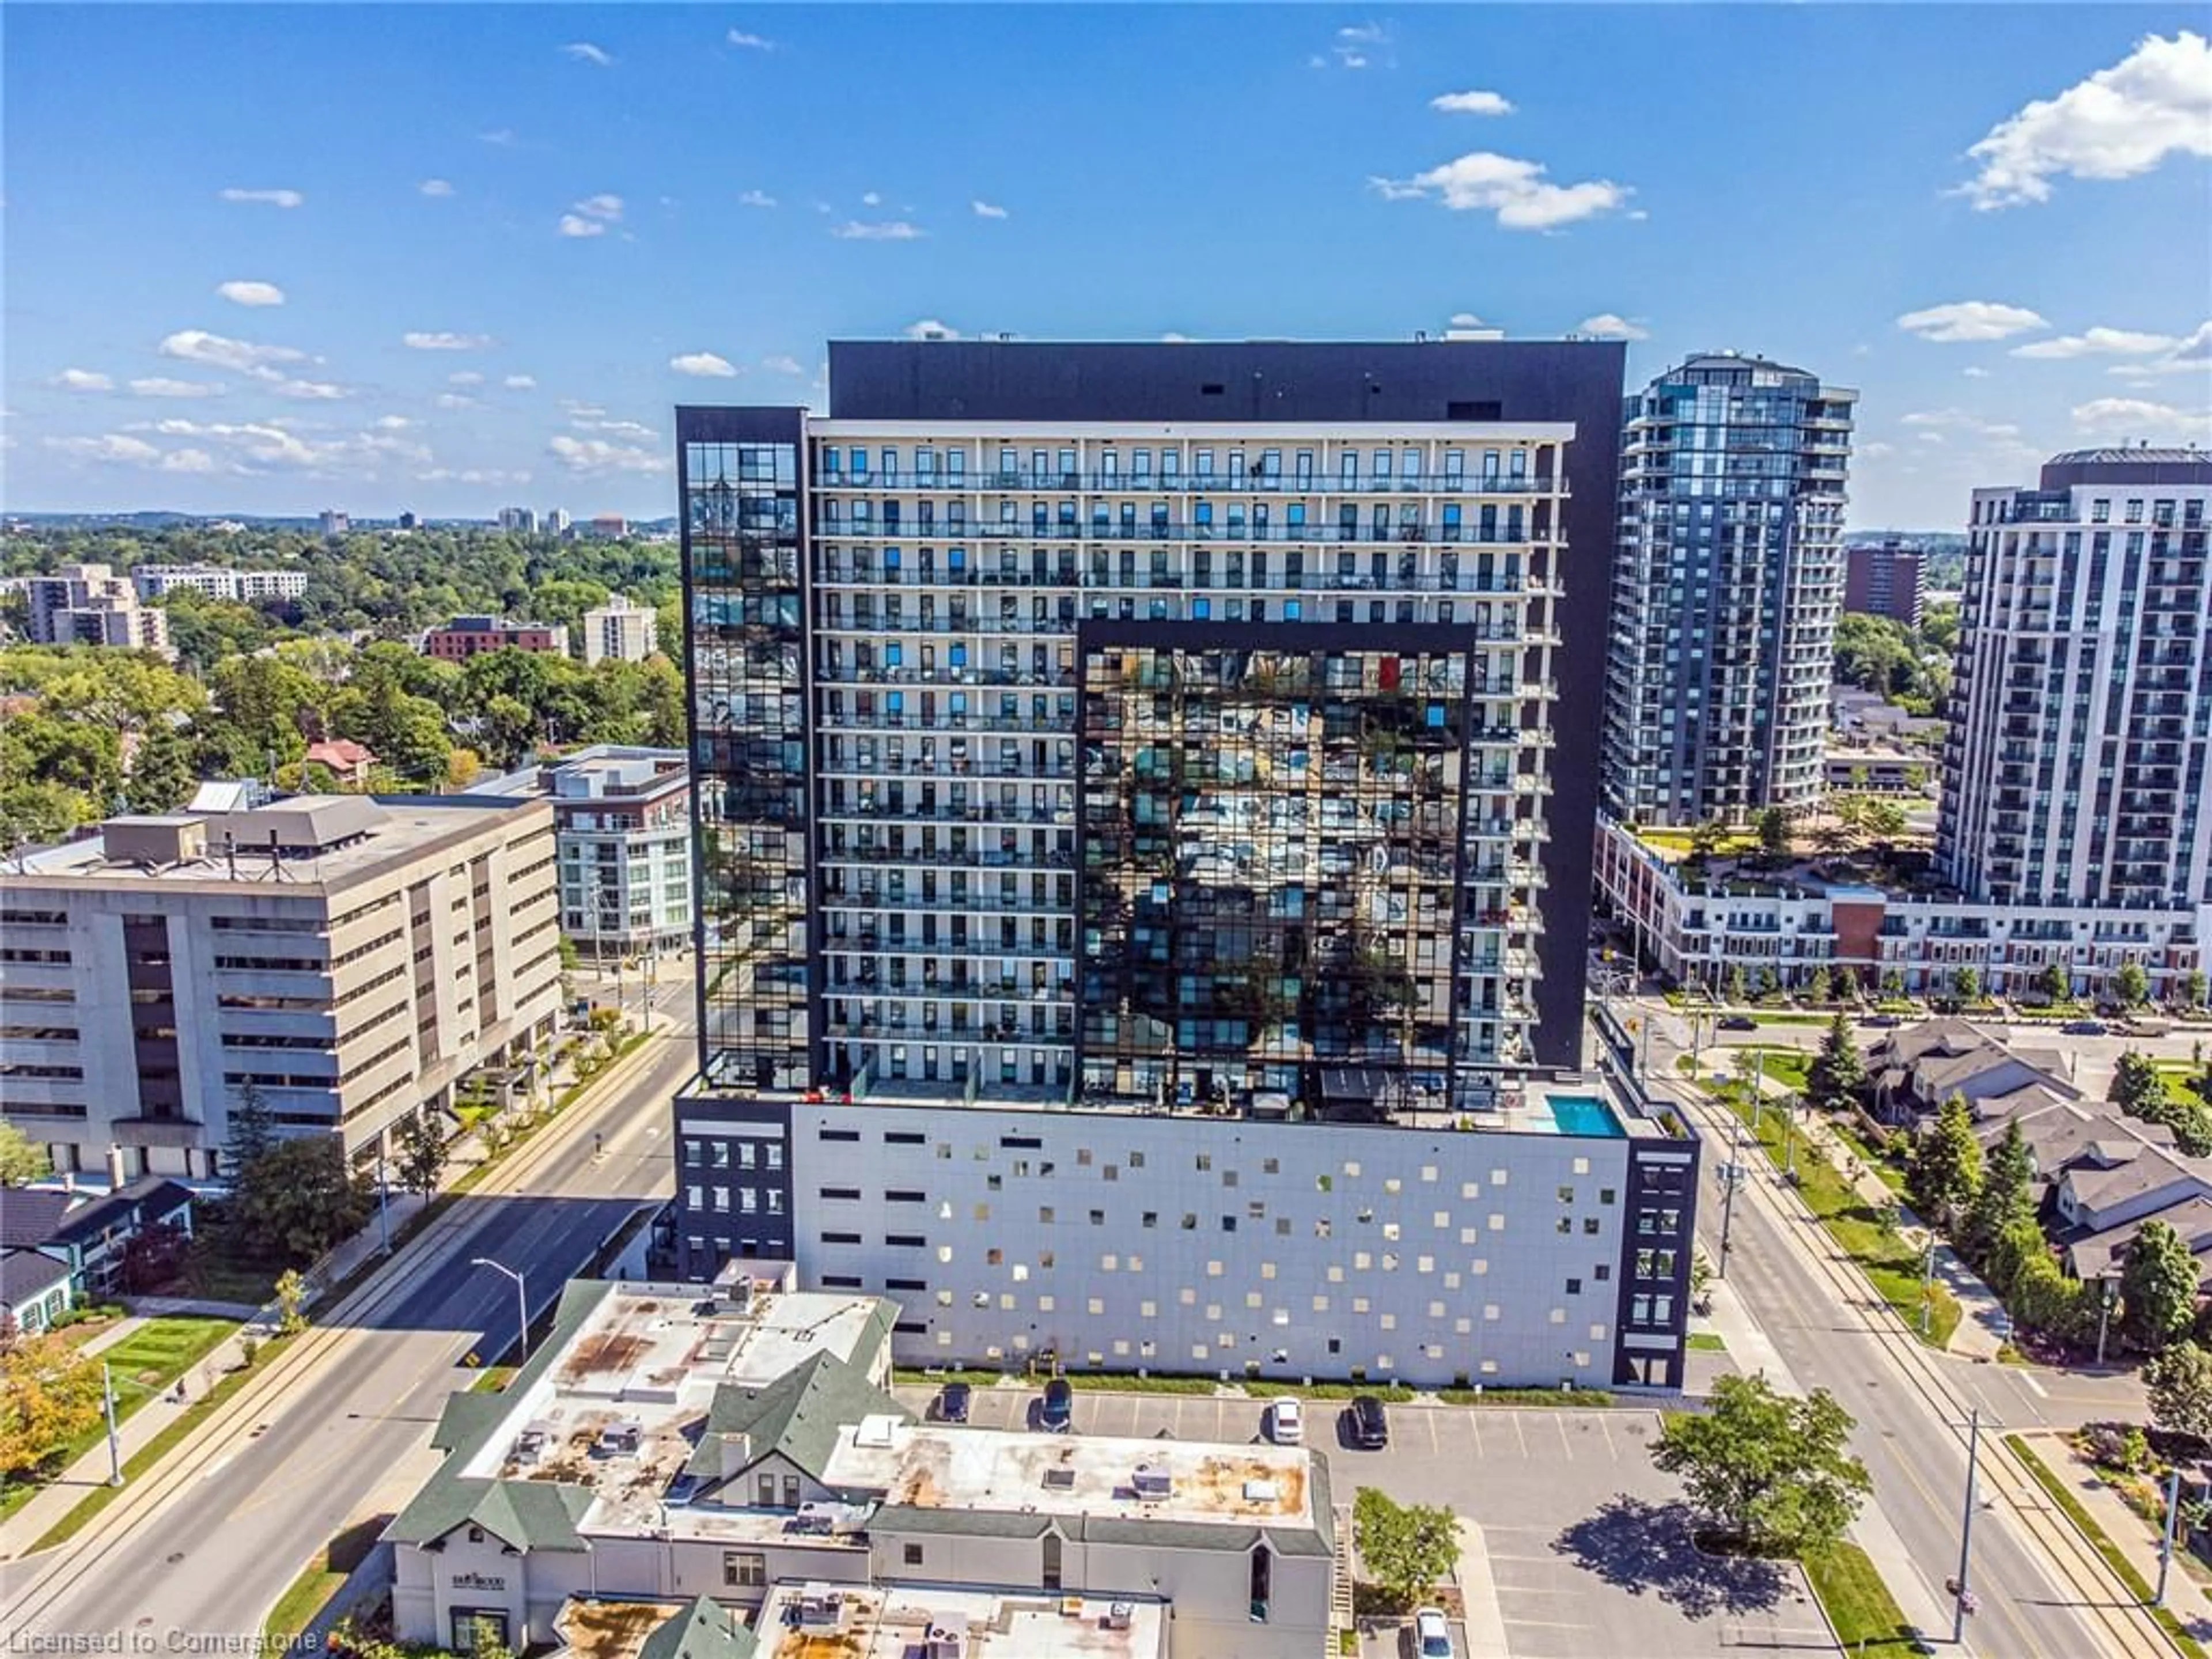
{"x":114,"y":1444}
{"x":1963,"y":1595}
{"x":2104,"y":1315}
{"x":521,"y":1304}
{"x":1731,"y":1178}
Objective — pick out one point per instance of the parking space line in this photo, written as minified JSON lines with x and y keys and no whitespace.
{"x":1612,"y":1450}
{"x":1520,"y":1434}
{"x":1474,"y":1425}
{"x":1436,"y":1444}
{"x":1565,"y":1444}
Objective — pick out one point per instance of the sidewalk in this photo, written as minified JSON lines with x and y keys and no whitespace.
{"x":2133,"y":1536}
{"x":1483,"y":1620}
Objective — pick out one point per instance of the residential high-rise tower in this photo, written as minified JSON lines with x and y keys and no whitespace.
{"x":1725,"y":592}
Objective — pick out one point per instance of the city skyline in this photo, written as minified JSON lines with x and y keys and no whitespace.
{"x":502,"y":261}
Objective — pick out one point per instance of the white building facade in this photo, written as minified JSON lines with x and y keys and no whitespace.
{"x":348,"y":959}
{"x":2078,"y":767}
{"x":218,"y":582}
{"x":90,"y":604}
{"x":622,"y":630}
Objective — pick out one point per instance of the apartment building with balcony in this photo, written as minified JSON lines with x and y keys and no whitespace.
{"x":465,"y":636}
{"x":622,"y":629}
{"x":1112,"y":750}
{"x":622,"y":827}
{"x":90,"y":604}
{"x":2075,"y":770}
{"x":218,"y":581}
{"x":1886,"y":578}
{"x":348,"y":959}
{"x":1727,"y":583}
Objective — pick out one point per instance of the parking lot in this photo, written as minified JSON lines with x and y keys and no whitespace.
{"x":1588,"y":1548}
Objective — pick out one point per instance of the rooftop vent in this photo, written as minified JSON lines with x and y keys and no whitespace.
{"x":1121,"y":1615}
{"x":820,"y":1607}
{"x":620,"y":1439}
{"x":1154,"y":1483}
{"x":875,"y":1432}
{"x":947,"y":1636}
{"x":1059,"y":1480}
{"x":1260,"y":1491}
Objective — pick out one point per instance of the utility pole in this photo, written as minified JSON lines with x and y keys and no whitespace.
{"x":1731,"y":1178}
{"x":383,"y":1198}
{"x":1928,"y":1284}
{"x":1789,"y":1140}
{"x":2165,"y":1541}
{"x":2104,"y":1315}
{"x":1963,"y":1595}
{"x":114,"y":1445}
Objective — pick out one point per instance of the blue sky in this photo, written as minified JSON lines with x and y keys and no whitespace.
{"x":269,"y":258}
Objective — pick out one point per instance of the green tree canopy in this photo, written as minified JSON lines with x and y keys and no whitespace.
{"x":1837,"y":1073}
{"x":1773,"y":1473}
{"x":2179,"y":1381}
{"x":297,"y":1200}
{"x":2158,"y":1287}
{"x":1406,"y":1548}
{"x":22,"y":1158}
{"x":2006,"y":1194}
{"x":1946,"y":1163}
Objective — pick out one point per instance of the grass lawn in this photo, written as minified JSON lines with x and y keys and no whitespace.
{"x":493,"y":1379}
{"x":140,"y":1462}
{"x":1891,"y":1264}
{"x":1867,"y":1617}
{"x":2061,"y":1495}
{"x":1787,"y":1066}
{"x":143,"y":1365}
{"x":320,"y":1581}
{"x":1707,"y":1342}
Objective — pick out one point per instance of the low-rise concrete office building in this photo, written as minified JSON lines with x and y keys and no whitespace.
{"x":348,"y":959}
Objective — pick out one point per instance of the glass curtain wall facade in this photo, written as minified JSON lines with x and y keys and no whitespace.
{"x":745,"y":595}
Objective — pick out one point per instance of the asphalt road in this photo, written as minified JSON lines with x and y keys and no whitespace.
{"x":213,"y":1556}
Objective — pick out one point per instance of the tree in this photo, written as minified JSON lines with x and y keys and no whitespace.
{"x":2192,"y":989}
{"x":1772,"y":1472}
{"x":22,"y":1158}
{"x":2018,"y":1243}
{"x":2158,"y":1287}
{"x":161,"y":774}
{"x":2180,"y":1380}
{"x":2045,"y":1299}
{"x":291,"y":1293}
{"x":1837,"y":1073}
{"x":2130,"y":984}
{"x":1706,"y":837}
{"x":1768,"y":983}
{"x":1406,"y":1547}
{"x":1884,"y":820}
{"x":153,"y":1256}
{"x":2054,"y":982}
{"x":297,"y":1200}
{"x":422,"y":1153}
{"x":1966,"y":985}
{"x":1738,"y":990}
{"x":1773,"y":825}
{"x":50,"y":1393}
{"x":1820,"y":984}
{"x":1946,"y":1163}
{"x":2007,"y":1193}
{"x":252,"y":1130}
{"x":1893,"y":984}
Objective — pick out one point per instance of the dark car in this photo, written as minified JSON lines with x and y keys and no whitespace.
{"x":1739,"y":1023}
{"x":2084,"y":1028}
{"x":1057,"y":1411}
{"x":1880,"y":1022}
{"x":1371,"y":1426}
{"x":953,"y":1401}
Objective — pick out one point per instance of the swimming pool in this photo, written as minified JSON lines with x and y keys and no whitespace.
{"x":1582,"y":1115}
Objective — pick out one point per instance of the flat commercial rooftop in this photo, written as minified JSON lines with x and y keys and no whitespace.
{"x":896,"y":1623}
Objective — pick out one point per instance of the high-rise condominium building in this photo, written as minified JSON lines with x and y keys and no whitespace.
{"x":90,"y":604}
{"x":218,"y":582}
{"x":1886,"y":578}
{"x":1145,"y":760}
{"x":521,"y":519}
{"x":2075,"y":769}
{"x":622,"y":629}
{"x":350,"y":959}
{"x":1725,"y":591}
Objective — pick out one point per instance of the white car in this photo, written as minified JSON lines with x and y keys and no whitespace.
{"x":1286,"y":1425}
{"x":1431,"y":1634}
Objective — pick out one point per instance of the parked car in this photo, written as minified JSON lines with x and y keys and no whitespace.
{"x":1056,"y":1412}
{"x":1739,"y":1023}
{"x":1370,"y":1423}
{"x":2085,"y":1028}
{"x":952,"y":1402}
{"x":1432,"y":1633}
{"x":1882,"y":1022}
{"x":1287,"y":1422}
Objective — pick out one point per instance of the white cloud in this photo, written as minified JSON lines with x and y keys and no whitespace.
{"x":161,"y":387}
{"x":1970,"y":320}
{"x":585,"y":52}
{"x":2192,"y":355}
{"x":704,"y":364}
{"x":465,"y":377}
{"x":2122,"y":121}
{"x":1172,"y":338}
{"x":391,"y":423}
{"x":590,"y":455}
{"x":258,"y":446}
{"x":313,"y":391}
{"x":1607,"y":326}
{"x":442,"y":340}
{"x":759,"y":199}
{"x":2137,"y":417}
{"x":251,"y":293}
{"x":627,"y":429}
{"x":457,"y":400}
{"x":471,"y":474}
{"x":1961,"y":420}
{"x":196,"y":345}
{"x":1472,"y":103}
{"x":1876,"y":450}
{"x":1465,"y":320}
{"x":575,"y":407}
{"x":1357,"y":46}
{"x":880,"y":230}
{"x":108,"y":447}
{"x":1514,"y":189}
{"x":2100,"y":342}
{"x":435,"y":187}
{"x":750,"y":42}
{"x":82,"y":379}
{"x":1975,"y":372}
{"x":283,"y":199}
{"x":929,"y":328}
{"x":591,"y":216}
{"x":784,"y":365}
{"x":501,"y":136}
{"x":988,"y":210}
{"x":872,"y":198}
{"x":521,"y":382}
